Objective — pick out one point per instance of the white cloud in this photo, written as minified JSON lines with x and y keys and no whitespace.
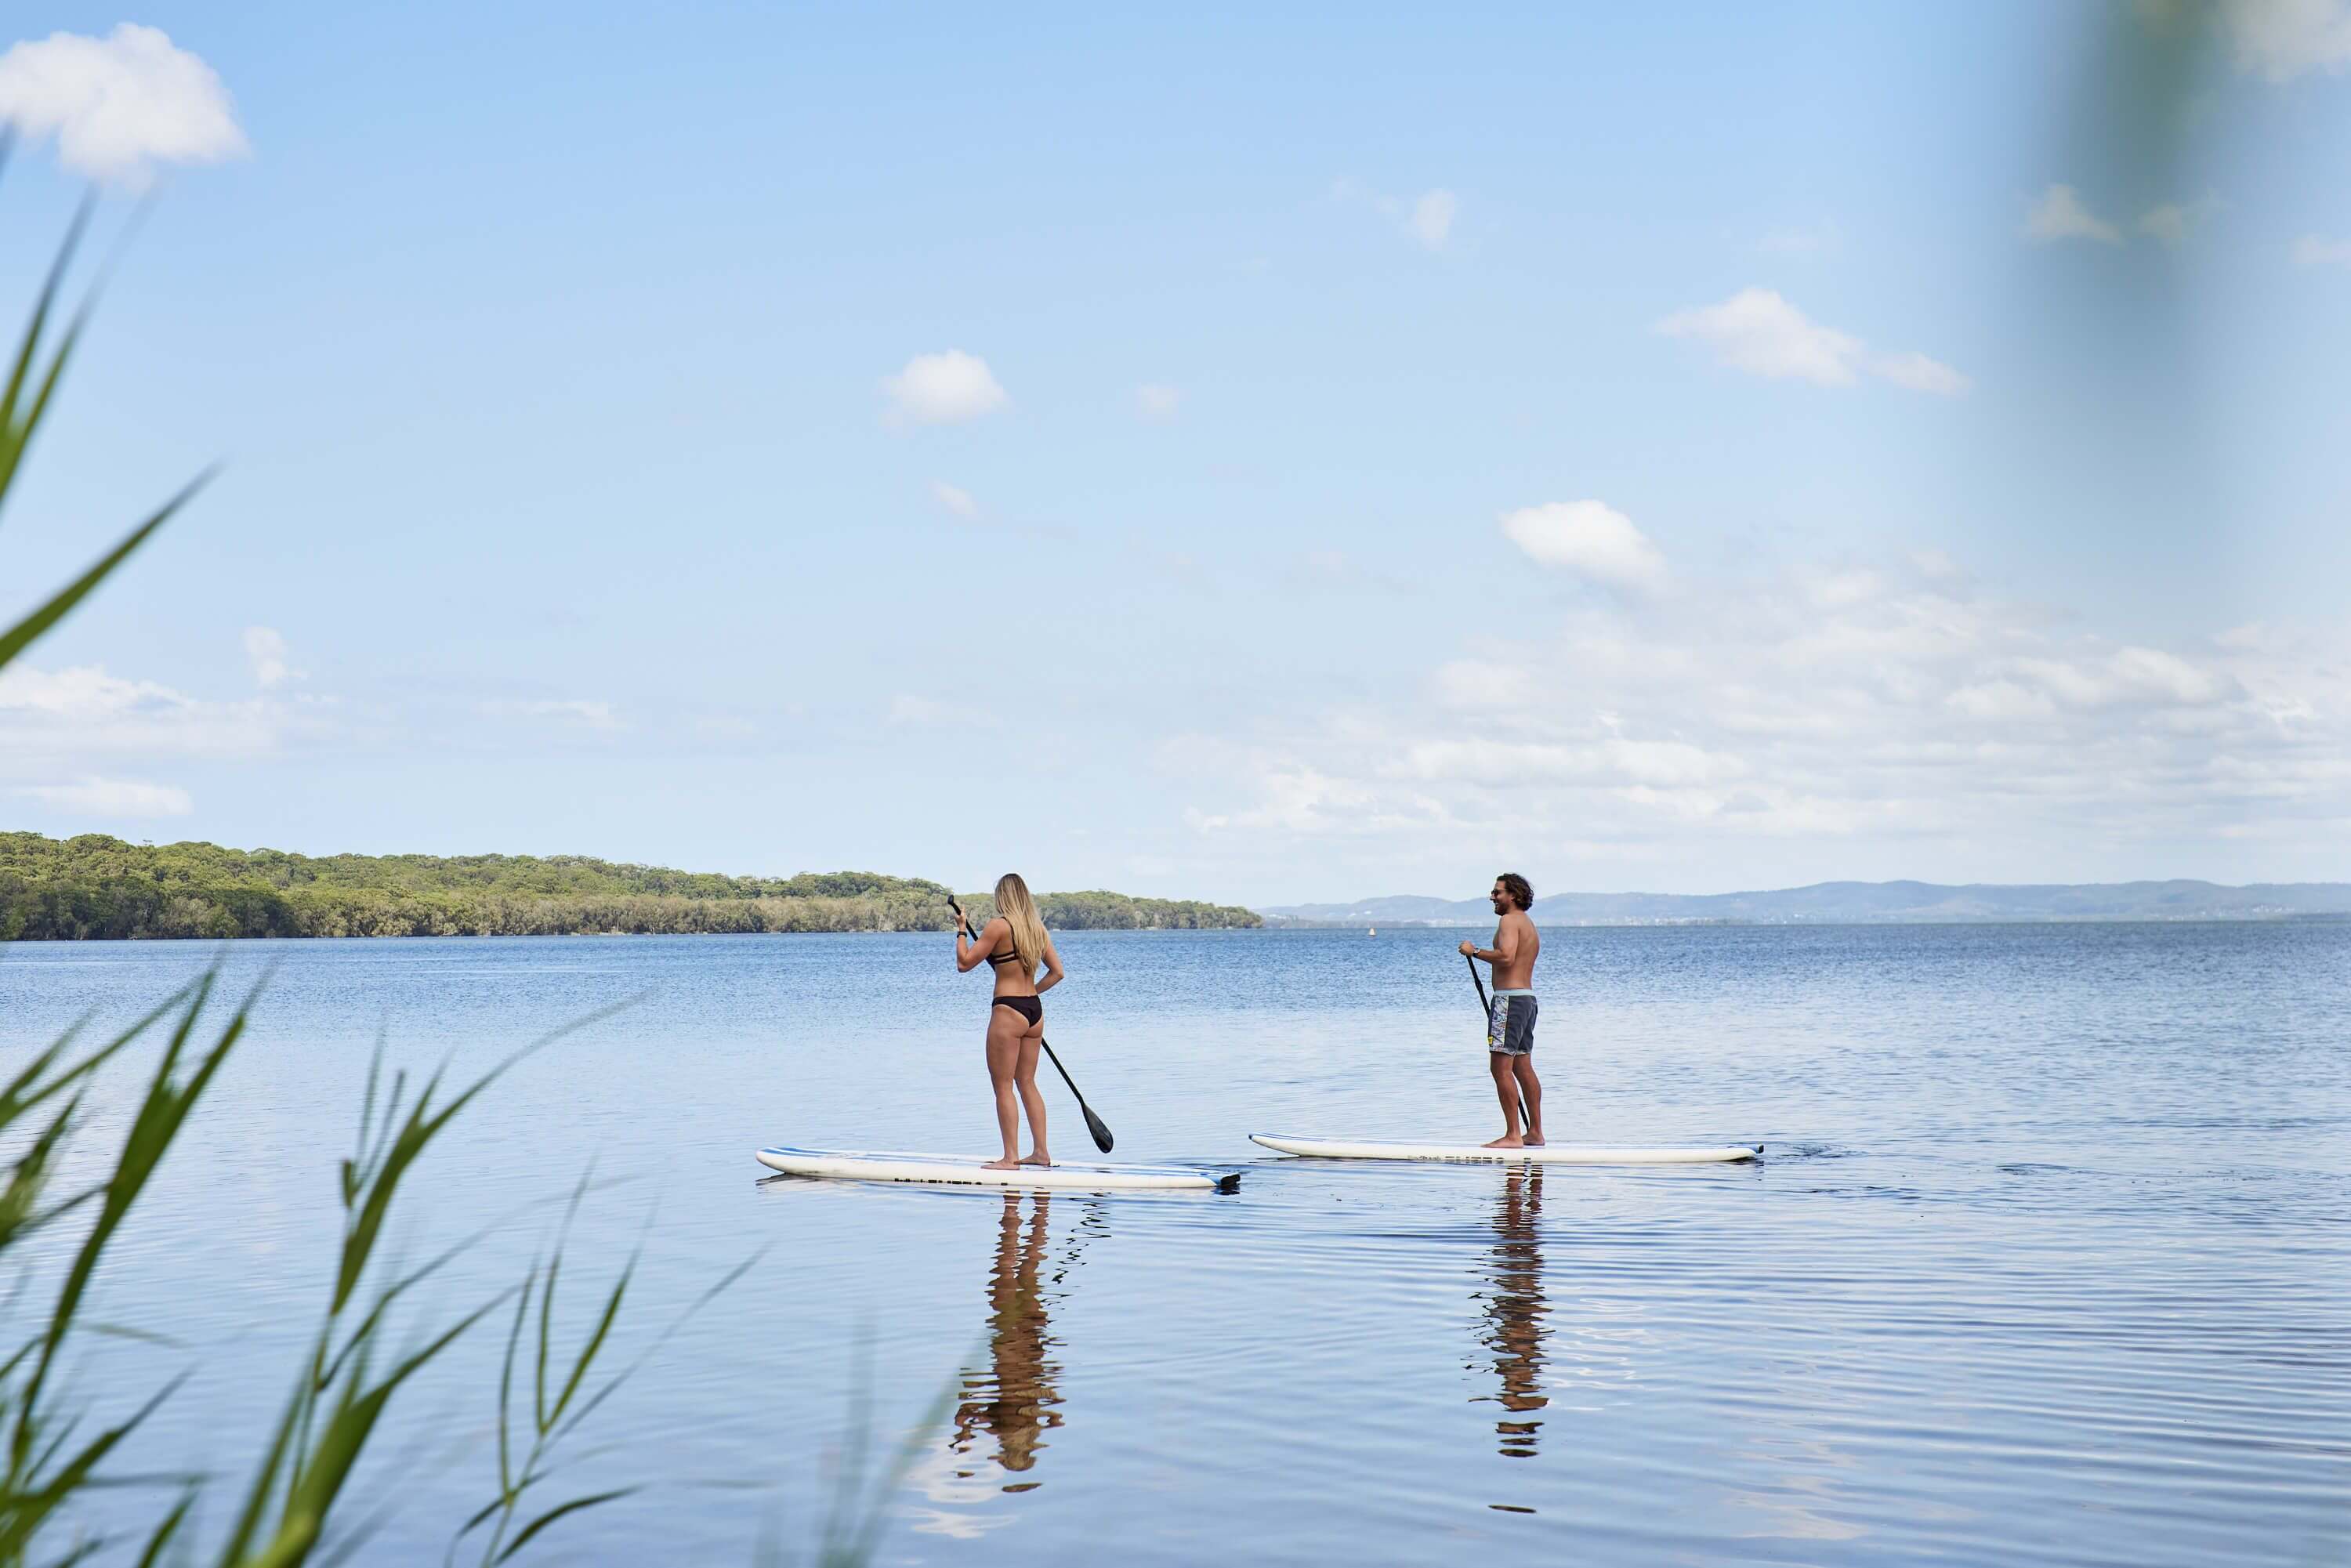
{"x":1757,"y":331}
{"x":1156,"y":402}
{"x":265,"y":650}
{"x":943,"y":388}
{"x":1921,"y":373}
{"x":2311,"y":250}
{"x":120,"y":104}
{"x":1432,"y":219}
{"x":1590,"y":538}
{"x":82,"y":711}
{"x":1427,"y":218}
{"x":2125,"y":676}
{"x":2168,"y":222}
{"x":97,"y":797}
{"x":906,"y":709}
{"x":1478,"y":685}
{"x":585,"y":711}
{"x":1822,"y":240}
{"x":958,"y":501}
{"x":2060,"y":215}
{"x":2284,"y":38}
{"x":1885,"y":704}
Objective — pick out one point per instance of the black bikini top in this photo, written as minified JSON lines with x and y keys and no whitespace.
{"x":1011,"y":957}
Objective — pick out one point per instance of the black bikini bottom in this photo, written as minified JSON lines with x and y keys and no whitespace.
{"x":1030,"y":1008}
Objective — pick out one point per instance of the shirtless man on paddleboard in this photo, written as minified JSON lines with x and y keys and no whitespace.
{"x":1511,"y":1018}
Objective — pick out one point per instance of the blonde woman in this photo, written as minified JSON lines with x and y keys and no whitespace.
{"x":1013,"y":943}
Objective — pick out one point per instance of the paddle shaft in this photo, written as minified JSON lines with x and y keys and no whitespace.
{"x":1484,"y":1006}
{"x":1094,"y":1124}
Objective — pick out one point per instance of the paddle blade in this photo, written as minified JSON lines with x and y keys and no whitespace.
{"x":1094,"y":1125}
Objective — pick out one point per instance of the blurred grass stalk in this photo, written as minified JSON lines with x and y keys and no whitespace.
{"x":339,"y":1398}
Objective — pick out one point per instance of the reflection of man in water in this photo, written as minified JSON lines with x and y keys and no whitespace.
{"x":1516,"y":1309}
{"x":1013,"y":1400}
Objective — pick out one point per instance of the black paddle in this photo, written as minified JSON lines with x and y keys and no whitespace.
{"x":1526,"y":1119}
{"x":1093,"y":1124}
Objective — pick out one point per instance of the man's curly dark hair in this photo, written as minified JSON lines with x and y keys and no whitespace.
{"x":1521,"y":892}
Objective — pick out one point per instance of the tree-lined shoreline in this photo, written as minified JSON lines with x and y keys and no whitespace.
{"x":96,"y":888}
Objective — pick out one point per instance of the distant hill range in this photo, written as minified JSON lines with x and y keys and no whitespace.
{"x":1842,"y":903}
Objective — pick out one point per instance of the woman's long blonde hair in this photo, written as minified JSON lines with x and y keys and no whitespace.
{"x":1019,"y":911}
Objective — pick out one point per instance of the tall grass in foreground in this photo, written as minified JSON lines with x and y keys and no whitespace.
{"x":294,"y":1507}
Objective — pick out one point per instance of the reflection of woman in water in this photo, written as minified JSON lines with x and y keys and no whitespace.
{"x":1013,"y":1400}
{"x":1516,"y":1309}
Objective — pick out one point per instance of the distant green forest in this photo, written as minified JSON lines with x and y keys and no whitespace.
{"x":99,"y":887}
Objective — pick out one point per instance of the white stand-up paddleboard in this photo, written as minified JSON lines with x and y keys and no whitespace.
{"x":964,"y":1170}
{"x":1548,"y":1155}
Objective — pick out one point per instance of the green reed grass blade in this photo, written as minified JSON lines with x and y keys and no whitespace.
{"x":423,"y":1125}
{"x":595,"y":1343}
{"x":506,"y":1487}
{"x":265,"y":1480}
{"x":16,"y":433}
{"x":618,"y":1378}
{"x":143,"y":1336}
{"x":28,"y":1178}
{"x":577,"y":1505}
{"x":156,"y":1123}
{"x":25,"y":1091}
{"x":322,"y":1473}
{"x":170,"y":1527}
{"x":20,"y":636}
{"x":28,"y":1509}
{"x":56,"y":1212}
{"x":369,"y":1325}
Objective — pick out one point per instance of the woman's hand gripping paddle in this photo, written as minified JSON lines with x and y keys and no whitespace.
{"x":1094,"y":1124}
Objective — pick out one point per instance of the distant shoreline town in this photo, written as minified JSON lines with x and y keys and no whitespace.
{"x":1860,"y":903}
{"x":95,"y":887}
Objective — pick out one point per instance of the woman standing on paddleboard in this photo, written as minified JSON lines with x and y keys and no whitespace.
{"x":1013,"y":943}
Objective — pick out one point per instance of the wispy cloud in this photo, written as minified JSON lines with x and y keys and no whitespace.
{"x":2314,"y":250}
{"x":1427,"y":218}
{"x":118,"y":105}
{"x":111,"y":798}
{"x":584,"y":713}
{"x":1590,"y":539}
{"x":1757,"y":331}
{"x":1875,"y":701}
{"x":953,"y":499}
{"x":265,"y":651}
{"x":1820,"y":240}
{"x":947,"y":388}
{"x":1156,"y":402}
{"x":2059,"y":214}
{"x":1431,"y":221}
{"x":2281,"y":39}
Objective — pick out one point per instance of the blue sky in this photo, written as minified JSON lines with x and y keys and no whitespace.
{"x":1213,"y":454}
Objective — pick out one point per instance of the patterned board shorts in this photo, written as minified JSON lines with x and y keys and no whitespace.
{"x":1510,"y":1023}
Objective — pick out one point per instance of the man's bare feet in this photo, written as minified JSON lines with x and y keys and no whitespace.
{"x":1040,"y":1158}
{"x":1001,"y":1165}
{"x":1508,"y":1141}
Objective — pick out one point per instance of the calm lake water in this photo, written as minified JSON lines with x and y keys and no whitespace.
{"x":2049,"y":1260}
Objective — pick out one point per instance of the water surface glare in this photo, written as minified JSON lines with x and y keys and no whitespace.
{"x":2046,"y":1261}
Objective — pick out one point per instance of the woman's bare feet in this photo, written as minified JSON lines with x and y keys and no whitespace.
{"x":1508,"y":1141}
{"x":1001,"y":1165}
{"x":1040,"y":1158}
{"x":1533,"y":1140}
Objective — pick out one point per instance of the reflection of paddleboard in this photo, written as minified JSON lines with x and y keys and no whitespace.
{"x":963,"y":1170}
{"x":1548,"y":1155}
